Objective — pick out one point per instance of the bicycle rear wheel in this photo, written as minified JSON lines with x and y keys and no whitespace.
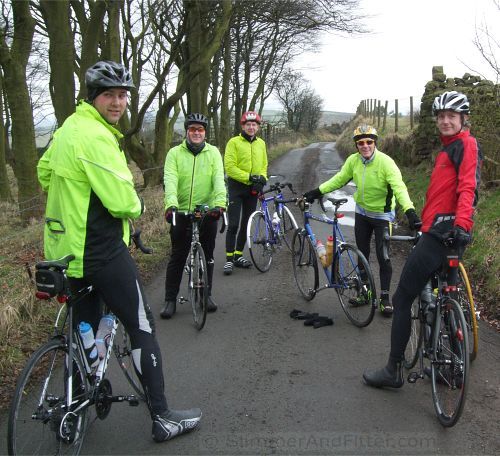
{"x":355,"y":286}
{"x":450,"y":363}
{"x":416,"y":336}
{"x":198,"y":285}
{"x":39,"y":420}
{"x":288,"y":225}
{"x":259,"y":239}
{"x":305,"y":264}
{"x":123,"y":352}
{"x":466,"y":301}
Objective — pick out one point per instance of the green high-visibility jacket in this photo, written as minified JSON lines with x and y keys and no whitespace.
{"x":379,"y":183}
{"x":91,"y":192}
{"x":194,"y":179}
{"x":244,"y":158}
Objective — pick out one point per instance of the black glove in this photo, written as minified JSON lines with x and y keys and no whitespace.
{"x":169,"y":213}
{"x":216,"y":212}
{"x":312,"y":195}
{"x":413,"y":220}
{"x":460,"y":236}
{"x":255,"y":179}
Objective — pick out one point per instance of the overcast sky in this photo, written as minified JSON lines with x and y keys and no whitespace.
{"x":395,"y":60}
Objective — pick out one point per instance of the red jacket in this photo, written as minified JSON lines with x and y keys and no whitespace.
{"x":453,"y":188}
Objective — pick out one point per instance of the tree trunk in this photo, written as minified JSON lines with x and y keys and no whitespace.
{"x":5,"y":193}
{"x":225,"y":119}
{"x":61,"y":57}
{"x":14,"y":62}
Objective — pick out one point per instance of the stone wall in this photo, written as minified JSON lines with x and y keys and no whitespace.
{"x":484,"y":97}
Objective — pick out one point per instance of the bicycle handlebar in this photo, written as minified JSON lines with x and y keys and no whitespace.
{"x":204,"y":210}
{"x":135,"y":235}
{"x":387,"y":237}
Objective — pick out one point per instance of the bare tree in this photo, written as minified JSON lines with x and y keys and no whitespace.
{"x":488,"y":44}
{"x":301,"y":106}
{"x":16,"y":37}
{"x":5,"y":193}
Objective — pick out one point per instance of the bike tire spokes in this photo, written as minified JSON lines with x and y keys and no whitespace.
{"x":450,"y":364}
{"x":354,"y":284}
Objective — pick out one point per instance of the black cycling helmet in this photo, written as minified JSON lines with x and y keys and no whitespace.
{"x":195,"y":118}
{"x":451,"y":101}
{"x":107,"y":74}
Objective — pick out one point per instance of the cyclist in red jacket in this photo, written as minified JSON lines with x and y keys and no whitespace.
{"x":448,"y":212}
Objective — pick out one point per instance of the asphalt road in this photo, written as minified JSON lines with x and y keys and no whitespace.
{"x":267,"y":384}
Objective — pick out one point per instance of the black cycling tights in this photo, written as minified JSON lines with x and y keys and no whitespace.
{"x":363,"y":229}
{"x":118,"y":284}
{"x":426,"y":258}
{"x":241,"y":205}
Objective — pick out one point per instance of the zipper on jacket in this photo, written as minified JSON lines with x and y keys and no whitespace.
{"x":192,"y":182}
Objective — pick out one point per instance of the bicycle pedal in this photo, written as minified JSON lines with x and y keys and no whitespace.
{"x":414,"y":376}
{"x":182,"y":300}
{"x":132,"y":401}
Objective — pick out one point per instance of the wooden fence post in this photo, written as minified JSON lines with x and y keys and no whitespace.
{"x":411,"y":113}
{"x":396,"y":112}
{"x":378,"y":114}
{"x":385,"y":114}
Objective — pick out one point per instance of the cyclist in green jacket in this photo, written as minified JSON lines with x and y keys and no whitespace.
{"x":245,"y":163}
{"x":193,"y":176}
{"x":91,"y":196}
{"x":379,"y":184}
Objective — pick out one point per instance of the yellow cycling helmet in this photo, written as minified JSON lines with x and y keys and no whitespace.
{"x":365,"y":131}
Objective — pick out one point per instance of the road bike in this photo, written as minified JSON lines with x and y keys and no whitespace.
{"x":196,"y":265}
{"x":348,"y":272}
{"x":439,"y":334}
{"x":266,"y":231}
{"x":50,"y":405}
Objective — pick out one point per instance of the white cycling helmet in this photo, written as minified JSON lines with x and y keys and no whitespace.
{"x":452,"y":101}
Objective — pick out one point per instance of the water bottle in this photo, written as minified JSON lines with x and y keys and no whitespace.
{"x":329,"y":250}
{"x":275,"y":220}
{"x":428,"y":297}
{"x":103,"y":334}
{"x":88,"y":340}
{"x":321,"y":251}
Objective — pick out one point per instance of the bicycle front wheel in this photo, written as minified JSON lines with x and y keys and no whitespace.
{"x":198,"y":285}
{"x":354,"y":285}
{"x":450,"y":363}
{"x":123,"y":352}
{"x":466,"y":301}
{"x":305,"y":264}
{"x":259,"y":239}
{"x":288,"y":225}
{"x":416,"y":336}
{"x":39,"y":419}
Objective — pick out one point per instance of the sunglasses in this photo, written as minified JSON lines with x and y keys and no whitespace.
{"x":362,"y":142}
{"x":196,"y":129}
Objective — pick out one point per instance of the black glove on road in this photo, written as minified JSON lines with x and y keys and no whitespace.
{"x":413,"y":220}
{"x":460,"y":236}
{"x":312,"y":195}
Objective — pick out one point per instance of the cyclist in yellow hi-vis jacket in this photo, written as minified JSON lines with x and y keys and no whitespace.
{"x":193,"y":175}
{"x":379,"y":184}
{"x":91,"y":196}
{"x":245,"y":163}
